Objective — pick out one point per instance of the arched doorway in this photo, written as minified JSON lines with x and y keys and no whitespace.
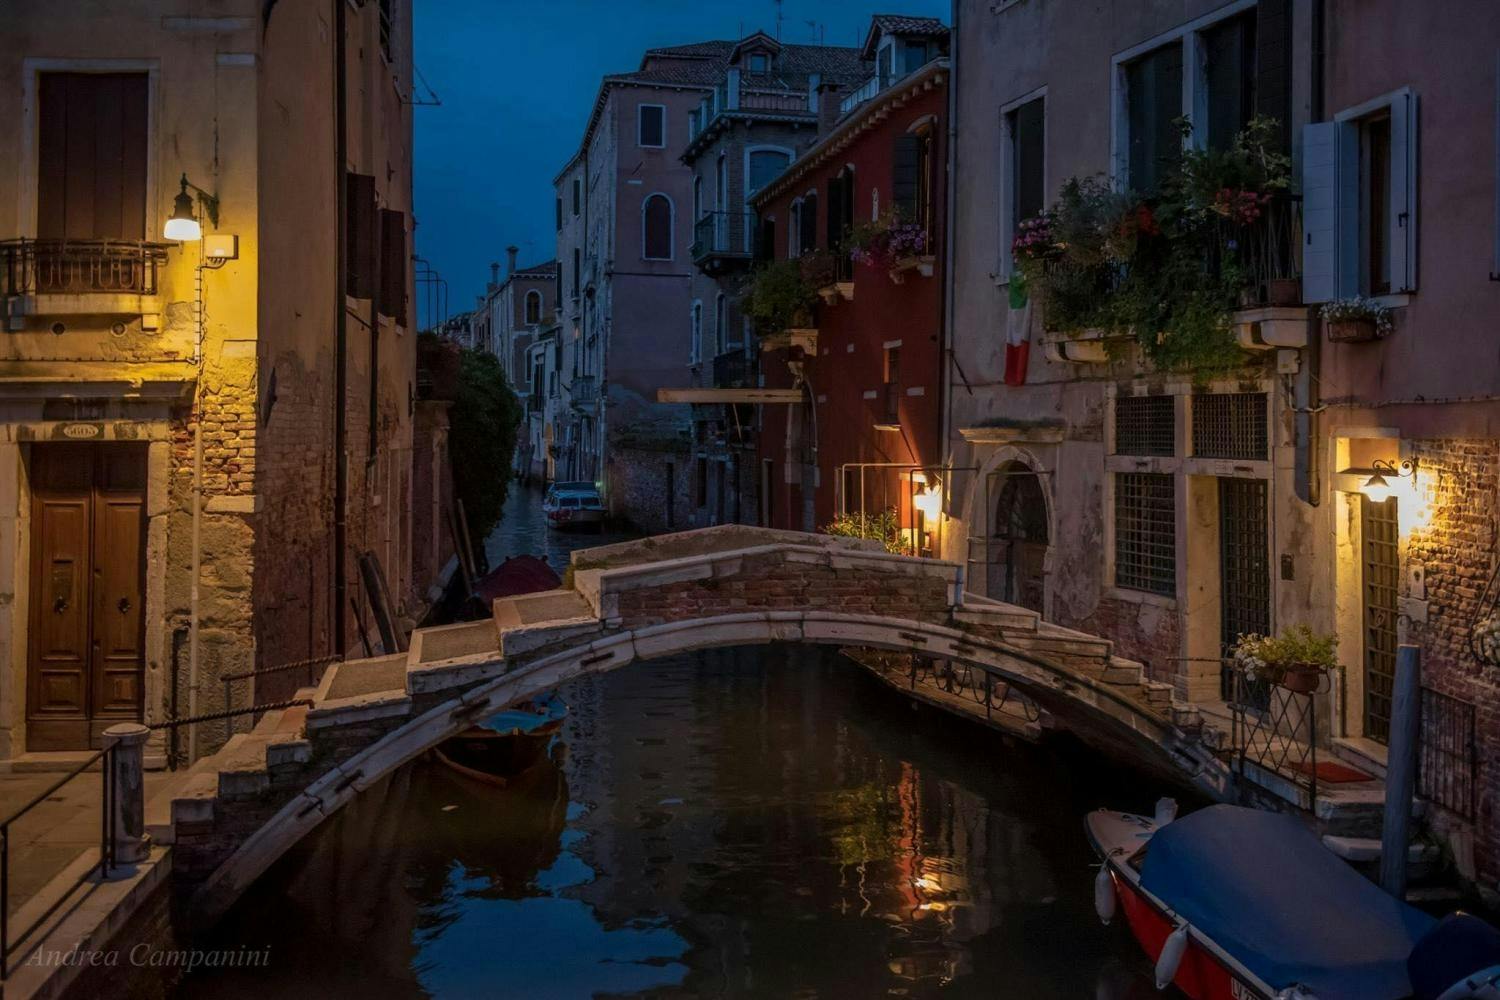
{"x":1018,"y":538}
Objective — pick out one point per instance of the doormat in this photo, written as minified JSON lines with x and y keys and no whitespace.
{"x":1333,"y":773}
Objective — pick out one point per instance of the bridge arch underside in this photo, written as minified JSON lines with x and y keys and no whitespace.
{"x":1099,"y":716}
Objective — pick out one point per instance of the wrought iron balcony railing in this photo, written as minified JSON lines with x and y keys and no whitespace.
{"x":723,"y":234}
{"x":735,"y":369}
{"x":80,"y":267}
{"x":585,"y":390}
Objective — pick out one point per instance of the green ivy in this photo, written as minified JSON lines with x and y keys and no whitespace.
{"x":482,"y":423}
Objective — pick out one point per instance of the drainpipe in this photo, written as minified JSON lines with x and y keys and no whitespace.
{"x":949,"y":270}
{"x":1307,"y":469}
{"x":340,"y":324}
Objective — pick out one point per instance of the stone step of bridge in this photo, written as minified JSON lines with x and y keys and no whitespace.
{"x":979,"y":610}
{"x":528,"y":622}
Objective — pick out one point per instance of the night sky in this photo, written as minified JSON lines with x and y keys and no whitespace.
{"x":517,"y":81}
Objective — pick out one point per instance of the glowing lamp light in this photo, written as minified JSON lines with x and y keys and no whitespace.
{"x":182,"y":225}
{"x":1380,"y":489}
{"x":1376,"y":488}
{"x":929,"y":502}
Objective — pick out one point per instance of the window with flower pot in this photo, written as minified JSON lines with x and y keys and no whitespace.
{"x":1022,"y":171}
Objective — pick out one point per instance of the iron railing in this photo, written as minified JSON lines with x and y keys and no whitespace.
{"x":584,"y":391}
{"x":308,"y":667}
{"x":1275,"y":729}
{"x":973,"y":681}
{"x":80,"y":267}
{"x":723,"y":234}
{"x":861,"y":94}
{"x":735,"y":369}
{"x":104,"y":760}
{"x":772,"y":100}
{"x":1449,"y":753}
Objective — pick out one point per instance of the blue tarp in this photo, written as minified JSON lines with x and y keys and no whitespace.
{"x":1264,"y":888}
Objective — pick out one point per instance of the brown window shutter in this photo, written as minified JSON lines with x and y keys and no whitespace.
{"x":1273,"y":64}
{"x":906,"y":174}
{"x":393,"y":264}
{"x":360,"y":237}
{"x":92,"y":156}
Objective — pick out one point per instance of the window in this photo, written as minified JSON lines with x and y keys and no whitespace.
{"x":1023,"y":178}
{"x":1230,"y":425}
{"x":912,"y":174}
{"x":577,"y":272}
{"x":533,"y":307}
{"x":721,"y":183}
{"x":759,"y":63}
{"x":915,"y":56}
{"x":695,"y":333}
{"x":1229,"y":67}
{"x":885,"y":63}
{"x":763,"y":166}
{"x":393,"y":265}
{"x":1153,"y":103}
{"x":1359,"y":187}
{"x":721,"y":339}
{"x":765,"y":250}
{"x":702,"y":482}
{"x":92,"y":156}
{"x":656,"y":227}
{"x":794,"y":231}
{"x":577,"y":196}
{"x":1145,"y":533}
{"x":697,"y":197}
{"x":1145,"y":425}
{"x":892,"y":406}
{"x":808,"y":240}
{"x":361,"y":241}
{"x":387,"y":19}
{"x":651,"y":130}
{"x":559,"y":211}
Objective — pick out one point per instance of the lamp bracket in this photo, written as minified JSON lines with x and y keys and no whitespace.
{"x":207,"y":200}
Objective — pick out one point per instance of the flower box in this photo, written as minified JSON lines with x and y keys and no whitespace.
{"x":1352,"y":331}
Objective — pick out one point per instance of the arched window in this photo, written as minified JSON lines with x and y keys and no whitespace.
{"x":764,"y":165}
{"x":912,"y":178}
{"x":656,"y":227}
{"x":794,"y":231}
{"x":533,"y":307}
{"x":808,"y":241}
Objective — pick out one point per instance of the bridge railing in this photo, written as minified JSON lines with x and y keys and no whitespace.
{"x":974,"y":681}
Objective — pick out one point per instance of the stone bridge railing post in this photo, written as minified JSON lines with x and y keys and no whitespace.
{"x":128,"y":799}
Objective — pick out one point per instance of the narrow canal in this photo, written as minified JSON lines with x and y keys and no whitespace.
{"x":758,"y":822}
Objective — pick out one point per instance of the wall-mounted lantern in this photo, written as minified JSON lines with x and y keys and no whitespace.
{"x":183,"y":224}
{"x":1378,"y":488}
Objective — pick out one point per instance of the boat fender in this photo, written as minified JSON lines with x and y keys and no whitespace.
{"x":1171,"y":956}
{"x":1166,"y":811}
{"x":1104,"y":894}
{"x":1295,"y":993}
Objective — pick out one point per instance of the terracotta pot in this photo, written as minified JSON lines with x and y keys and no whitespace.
{"x":1351,"y":330}
{"x":1303,"y":678}
{"x":1284,"y":292}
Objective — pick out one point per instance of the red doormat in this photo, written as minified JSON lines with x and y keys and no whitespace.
{"x":1333,"y":773}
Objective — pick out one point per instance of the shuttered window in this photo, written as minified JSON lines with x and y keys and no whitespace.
{"x":652,"y":131}
{"x":836,"y":220}
{"x":361,"y":238}
{"x":906,"y":172}
{"x":91,"y":181}
{"x":1229,"y":78}
{"x":1153,"y":101}
{"x":393,"y":265}
{"x":656,"y":228}
{"x":809,"y":222}
{"x":1028,"y":150}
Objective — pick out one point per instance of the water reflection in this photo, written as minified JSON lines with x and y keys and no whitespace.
{"x":760,"y":822}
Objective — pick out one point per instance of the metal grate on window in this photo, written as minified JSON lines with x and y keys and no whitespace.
{"x":1145,"y":533}
{"x":1230,"y":425}
{"x":1449,"y":753}
{"x":1145,"y":425}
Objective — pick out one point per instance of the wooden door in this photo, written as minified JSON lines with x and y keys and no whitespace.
{"x":1381,"y":567}
{"x":85,"y":655}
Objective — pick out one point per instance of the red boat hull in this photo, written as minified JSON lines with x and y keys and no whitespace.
{"x":1199,"y":976}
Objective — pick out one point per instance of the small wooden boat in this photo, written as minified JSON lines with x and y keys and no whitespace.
{"x":1243,"y":904}
{"x":506,"y":745}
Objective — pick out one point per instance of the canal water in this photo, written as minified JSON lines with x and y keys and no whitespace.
{"x":756,"y":822}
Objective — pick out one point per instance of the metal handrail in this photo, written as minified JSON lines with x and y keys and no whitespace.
{"x":80,"y":267}
{"x":309,"y":665}
{"x":722,"y":232}
{"x":102,"y":867}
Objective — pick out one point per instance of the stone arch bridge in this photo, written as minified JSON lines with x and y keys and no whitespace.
{"x":233,"y":814}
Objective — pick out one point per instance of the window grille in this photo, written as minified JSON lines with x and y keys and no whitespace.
{"x":1145,"y":425}
{"x":1244,"y":569}
{"x":1449,"y":753}
{"x":1230,"y":425}
{"x":1145,"y":533}
{"x":1381,"y":572}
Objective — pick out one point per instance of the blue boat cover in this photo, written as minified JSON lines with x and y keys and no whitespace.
{"x":1267,"y":891}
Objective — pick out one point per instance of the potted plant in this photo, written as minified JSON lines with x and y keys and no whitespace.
{"x":1355,"y":319}
{"x":1297,"y":659}
{"x":1485,"y":640}
{"x":780,"y":298}
{"x":890,"y":242}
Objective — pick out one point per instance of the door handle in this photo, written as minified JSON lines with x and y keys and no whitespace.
{"x":59,"y":605}
{"x":124,"y":605}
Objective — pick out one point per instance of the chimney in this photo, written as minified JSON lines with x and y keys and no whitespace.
{"x":494,"y":276}
{"x":510,"y":260}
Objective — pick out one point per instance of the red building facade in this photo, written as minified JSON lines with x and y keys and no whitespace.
{"x":866,"y":437}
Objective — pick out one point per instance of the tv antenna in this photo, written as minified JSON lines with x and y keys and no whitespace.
{"x":778,"y":19}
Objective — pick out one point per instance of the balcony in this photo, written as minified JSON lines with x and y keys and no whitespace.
{"x":584,"y":391}
{"x":723,"y":238}
{"x":735,"y":369}
{"x":861,"y":94}
{"x":80,"y":277}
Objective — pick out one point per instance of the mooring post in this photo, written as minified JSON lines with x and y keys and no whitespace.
{"x":1401,"y":769}
{"x":127,"y":798}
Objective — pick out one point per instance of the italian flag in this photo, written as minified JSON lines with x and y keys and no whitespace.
{"x":1017,"y":331}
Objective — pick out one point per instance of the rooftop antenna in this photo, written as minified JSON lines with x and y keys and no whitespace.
{"x":817,"y":31}
{"x":778,"y":19}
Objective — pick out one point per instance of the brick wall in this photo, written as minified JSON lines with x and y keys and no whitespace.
{"x":1456,"y":550}
{"x":639,"y":489}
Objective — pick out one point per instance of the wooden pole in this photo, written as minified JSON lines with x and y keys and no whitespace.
{"x":1401,"y":769}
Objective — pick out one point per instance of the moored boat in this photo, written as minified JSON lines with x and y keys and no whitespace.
{"x":1243,"y":904}
{"x":507,"y":744}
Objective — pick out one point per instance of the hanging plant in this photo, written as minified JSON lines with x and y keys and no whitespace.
{"x":886,"y":242}
{"x":779,"y":297}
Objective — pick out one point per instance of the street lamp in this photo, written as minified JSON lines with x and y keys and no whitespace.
{"x":182,"y":224}
{"x":1377,"y":487}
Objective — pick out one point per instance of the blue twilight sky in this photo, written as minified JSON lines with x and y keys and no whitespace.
{"x":517,"y":81}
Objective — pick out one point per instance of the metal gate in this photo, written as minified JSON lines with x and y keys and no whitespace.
{"x":1378,"y":530}
{"x":1244,"y":569}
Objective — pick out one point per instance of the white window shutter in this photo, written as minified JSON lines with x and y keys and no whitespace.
{"x":1403,"y":224}
{"x":1320,"y":212}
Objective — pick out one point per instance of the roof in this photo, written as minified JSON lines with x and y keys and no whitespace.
{"x":901,"y":24}
{"x":544,"y":270}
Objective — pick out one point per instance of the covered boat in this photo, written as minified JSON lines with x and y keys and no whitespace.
{"x":508,"y":743}
{"x":1237,"y":904}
